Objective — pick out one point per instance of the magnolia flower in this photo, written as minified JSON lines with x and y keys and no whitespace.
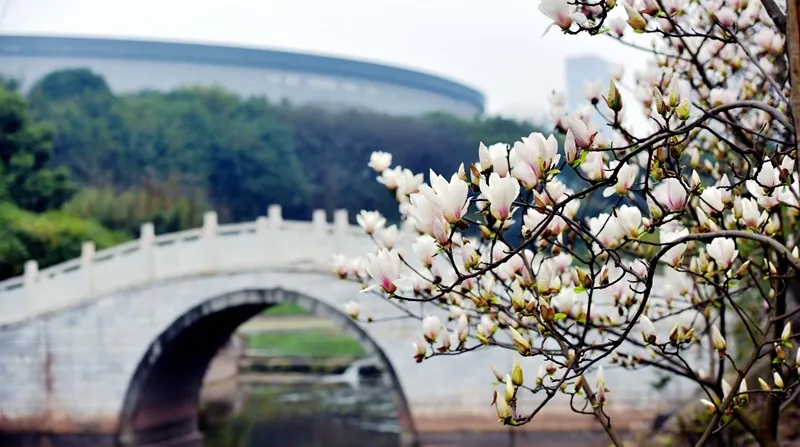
{"x":384,"y":268}
{"x":648,"y":329}
{"x":450,"y":197}
{"x":496,"y":157}
{"x":723,"y":250}
{"x":719,"y":96}
{"x":717,"y":339}
{"x":583,"y":136}
{"x":768,"y":176}
{"x":616,"y":69}
{"x":426,"y":248}
{"x":625,"y":179}
{"x":593,"y":90}
{"x":629,"y":220}
{"x":764,"y":200}
{"x":352,"y":309}
{"x":787,"y":331}
{"x":635,"y":20}
{"x":777,"y":380}
{"x":671,"y":194}
{"x":370,"y":220}
{"x":593,"y":166}
{"x":709,"y":405}
{"x":387,"y":237}
{"x":503,"y":410}
{"x":617,"y":27}
{"x":501,"y":192}
{"x":751,"y":217}
{"x":380,"y":161}
{"x":570,"y":149}
{"x":431,"y":325}
{"x":605,"y":229}
{"x":462,"y":329}
{"x":726,"y":17}
{"x":558,"y":11}
{"x":711,"y":200}
{"x":673,"y":255}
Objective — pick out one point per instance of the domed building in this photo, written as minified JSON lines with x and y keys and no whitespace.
{"x":300,"y":78}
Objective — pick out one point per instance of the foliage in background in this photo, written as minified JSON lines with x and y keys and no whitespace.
{"x":49,"y":237}
{"x":243,"y":154}
{"x":163,"y":204}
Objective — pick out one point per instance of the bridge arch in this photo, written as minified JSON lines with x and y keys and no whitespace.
{"x":162,"y":398}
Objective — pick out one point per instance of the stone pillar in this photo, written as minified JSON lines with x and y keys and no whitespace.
{"x":340,"y":226}
{"x":87,"y":268}
{"x":275,"y":217}
{"x":29,"y":280}
{"x":147,"y":238}
{"x":319,"y":222}
{"x":209,"y":240}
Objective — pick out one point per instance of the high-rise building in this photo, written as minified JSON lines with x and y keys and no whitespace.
{"x":585,"y":69}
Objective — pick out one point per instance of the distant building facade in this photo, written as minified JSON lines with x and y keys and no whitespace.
{"x":304,"y":79}
{"x":580,"y":69}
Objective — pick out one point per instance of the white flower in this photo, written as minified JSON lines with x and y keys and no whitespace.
{"x":616,"y":70}
{"x":777,"y":380}
{"x":450,"y":197}
{"x":426,"y":248}
{"x":384,"y":268}
{"x":625,"y":179}
{"x":605,"y":229}
{"x":751,"y":216}
{"x":387,"y":237}
{"x":768,"y":176}
{"x":629,"y":220}
{"x":717,"y":339}
{"x":720,"y":96}
{"x":648,"y":329}
{"x":726,"y":17}
{"x":370,"y":220}
{"x":380,"y":161}
{"x":558,"y":11}
{"x":711,"y":200}
{"x":583,"y":136}
{"x":497,"y":158}
{"x":592,"y":90}
{"x":671,"y":194}
{"x":431,"y":325}
{"x":673,"y":255}
{"x":501,"y":193}
{"x":723,"y":250}
{"x":352,"y":309}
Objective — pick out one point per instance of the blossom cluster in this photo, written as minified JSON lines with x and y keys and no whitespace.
{"x":616,"y":246}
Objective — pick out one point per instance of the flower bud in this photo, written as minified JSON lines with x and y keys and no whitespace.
{"x":648,"y":330}
{"x":497,"y":374}
{"x":718,"y":340}
{"x":763,"y":384}
{"x":709,"y":405}
{"x":683,"y":110}
{"x":613,"y":99}
{"x":787,"y":332}
{"x":510,"y":390}
{"x":516,"y":374}
{"x":522,"y":345}
{"x":503,"y":409}
{"x":777,"y":379}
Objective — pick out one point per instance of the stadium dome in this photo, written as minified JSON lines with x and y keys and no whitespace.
{"x":132,"y":65}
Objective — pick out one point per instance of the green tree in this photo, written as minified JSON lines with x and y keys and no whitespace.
{"x":25,"y":149}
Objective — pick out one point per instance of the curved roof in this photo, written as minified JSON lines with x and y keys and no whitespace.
{"x":235,"y":56}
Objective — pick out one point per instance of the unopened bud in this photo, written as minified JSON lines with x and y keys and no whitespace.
{"x":613,"y":100}
{"x":516,"y":374}
{"x":522,"y":345}
{"x":763,"y":384}
{"x":510,"y":391}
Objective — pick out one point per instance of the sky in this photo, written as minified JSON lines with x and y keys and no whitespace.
{"x":496,"y":46}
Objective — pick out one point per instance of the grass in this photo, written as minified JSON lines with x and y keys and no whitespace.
{"x":311,"y":343}
{"x":285,"y":309}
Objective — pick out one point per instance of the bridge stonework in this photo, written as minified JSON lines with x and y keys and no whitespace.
{"x":110,"y":349}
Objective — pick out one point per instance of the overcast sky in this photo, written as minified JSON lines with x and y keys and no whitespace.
{"x":494,"y":45}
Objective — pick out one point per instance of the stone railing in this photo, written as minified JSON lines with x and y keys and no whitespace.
{"x":268,"y":243}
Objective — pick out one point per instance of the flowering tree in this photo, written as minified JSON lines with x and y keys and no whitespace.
{"x":699,"y":245}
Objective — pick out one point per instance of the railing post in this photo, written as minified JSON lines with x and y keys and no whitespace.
{"x":319,"y":221}
{"x":147,"y":239}
{"x":210,"y":239}
{"x":30,"y":278}
{"x":340,"y":222}
{"x":275,"y":217}
{"x":340,"y":225}
{"x":87,"y":267}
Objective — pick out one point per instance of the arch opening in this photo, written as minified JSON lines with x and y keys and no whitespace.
{"x":163,"y":396}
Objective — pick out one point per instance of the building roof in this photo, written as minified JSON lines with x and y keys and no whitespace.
{"x":50,"y":46}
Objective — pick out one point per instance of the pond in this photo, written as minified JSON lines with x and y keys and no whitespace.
{"x":308,"y":414}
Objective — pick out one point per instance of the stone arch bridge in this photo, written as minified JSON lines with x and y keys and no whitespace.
{"x":110,"y":349}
